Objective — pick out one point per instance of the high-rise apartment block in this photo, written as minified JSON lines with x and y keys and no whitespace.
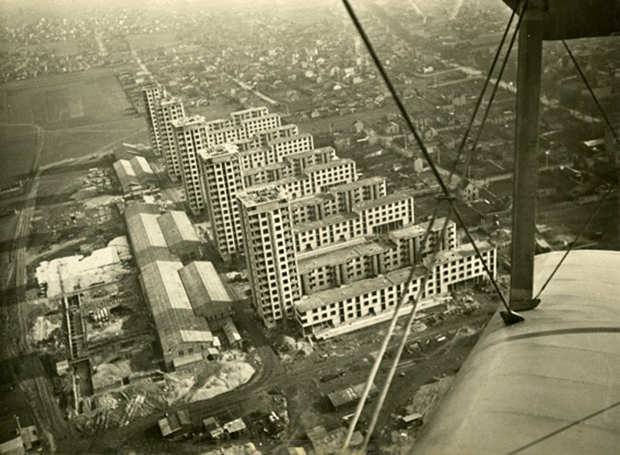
{"x":190,"y":135}
{"x":221,"y":170}
{"x":150,"y":94}
{"x":166,"y":110}
{"x":323,"y":247}
{"x":270,"y":252}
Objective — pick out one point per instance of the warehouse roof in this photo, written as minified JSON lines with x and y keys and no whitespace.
{"x":550,"y":384}
{"x":177,"y":228}
{"x":147,"y":239}
{"x":172,"y":311}
{"x":202,"y":284}
{"x":141,"y":166}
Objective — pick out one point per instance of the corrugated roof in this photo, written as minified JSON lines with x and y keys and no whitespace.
{"x":202,"y":284}
{"x":147,"y":239}
{"x":126,"y":174}
{"x":140,"y":165}
{"x":173,"y":314}
{"x":177,"y":228}
{"x":550,"y":384}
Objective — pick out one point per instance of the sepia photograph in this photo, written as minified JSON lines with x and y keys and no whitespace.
{"x":298,"y":227}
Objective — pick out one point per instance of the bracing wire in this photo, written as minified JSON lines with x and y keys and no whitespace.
{"x":495,"y":87}
{"x":587,"y":83}
{"x":481,"y":96}
{"x":448,"y":197}
{"x":609,"y":190}
{"x":574,"y":242}
{"x":423,"y":149}
{"x":388,"y":335}
{"x":403,"y":341}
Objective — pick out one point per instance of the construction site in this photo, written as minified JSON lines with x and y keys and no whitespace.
{"x":118,"y":335}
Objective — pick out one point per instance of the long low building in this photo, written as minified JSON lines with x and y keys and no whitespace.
{"x":180,"y":298}
{"x":136,"y":176}
{"x":183,"y":336}
{"x":206,"y":291}
{"x":161,"y":236}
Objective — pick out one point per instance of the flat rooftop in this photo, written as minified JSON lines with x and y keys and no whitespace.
{"x":330,"y":164}
{"x":415,"y":230}
{"x":169,"y":100}
{"x":267,"y":167}
{"x":255,"y":196}
{"x":317,"y":258}
{"x":310,"y":200}
{"x":357,"y":184}
{"x":296,"y":137}
{"x":352,"y":290}
{"x":329,"y":220}
{"x":250,"y":109}
{"x":389,"y":199}
{"x":221,"y":150}
{"x":192,"y":120}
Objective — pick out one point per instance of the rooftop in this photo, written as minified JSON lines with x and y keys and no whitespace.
{"x":415,"y":230}
{"x":328,"y":165}
{"x":171,"y":309}
{"x":203,"y":284}
{"x":192,"y":120}
{"x":267,"y":167}
{"x":327,"y":221}
{"x":248,"y":110}
{"x":176,"y":228}
{"x":169,"y":100}
{"x":319,"y":258}
{"x":272,"y":115}
{"x":389,"y":199}
{"x":141,"y":165}
{"x":144,"y":230}
{"x":357,"y":184}
{"x":296,"y":137}
{"x":260,"y":195}
{"x":348,"y":291}
{"x":311,"y":199}
{"x":220,"y":150}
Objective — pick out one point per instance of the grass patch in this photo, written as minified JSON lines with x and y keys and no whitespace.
{"x":18,"y":146}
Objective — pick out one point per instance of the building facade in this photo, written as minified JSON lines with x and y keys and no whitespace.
{"x":270,"y":253}
{"x":221,"y":171}
{"x":190,"y":135}
{"x":150,"y":94}
{"x":165,"y":110}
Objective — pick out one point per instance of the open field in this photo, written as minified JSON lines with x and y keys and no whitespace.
{"x":218,"y":107}
{"x":18,"y":146}
{"x":81,"y":113}
{"x":76,"y":142}
{"x":343,"y":122}
{"x":64,"y":101}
